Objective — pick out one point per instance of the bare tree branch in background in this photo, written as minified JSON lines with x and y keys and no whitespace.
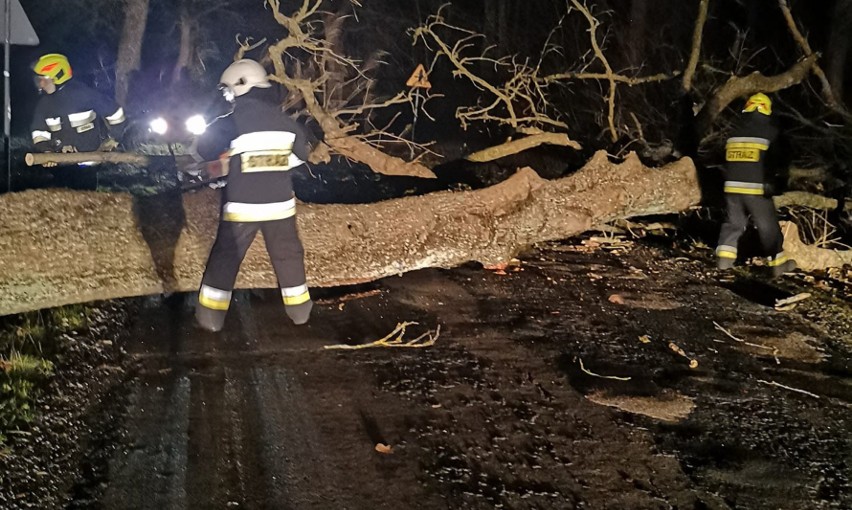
{"x":302,"y":61}
{"x":609,"y":75}
{"x":827,"y":92}
{"x":520,"y":102}
{"x":695,"y":53}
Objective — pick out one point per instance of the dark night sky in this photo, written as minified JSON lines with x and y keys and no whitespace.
{"x":88,"y":30}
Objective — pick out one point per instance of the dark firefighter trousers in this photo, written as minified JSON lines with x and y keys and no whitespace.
{"x":232,"y":242}
{"x":761,"y":210}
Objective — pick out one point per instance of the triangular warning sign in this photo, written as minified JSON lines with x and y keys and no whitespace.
{"x":419,"y":78}
{"x":22,"y":32}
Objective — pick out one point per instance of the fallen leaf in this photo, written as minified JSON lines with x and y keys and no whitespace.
{"x":645,"y":339}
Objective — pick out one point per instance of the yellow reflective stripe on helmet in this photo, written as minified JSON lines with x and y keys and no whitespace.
{"x":41,"y":136}
{"x":117,"y":117}
{"x":53,"y":123}
{"x":295,"y":295}
{"x":777,"y":260}
{"x":238,"y":211}
{"x":744,"y":188}
{"x":263,"y":141}
{"x":213,"y":298}
{"x":81,"y":118}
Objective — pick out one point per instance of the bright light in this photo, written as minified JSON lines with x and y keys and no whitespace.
{"x":196,"y":125}
{"x":159,"y":126}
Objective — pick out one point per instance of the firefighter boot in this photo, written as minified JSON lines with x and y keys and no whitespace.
{"x":299,"y":314}
{"x":210,"y":319}
{"x":725,"y":263}
{"x":786,"y":267}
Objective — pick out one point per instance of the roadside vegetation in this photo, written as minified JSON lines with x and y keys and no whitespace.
{"x":28,"y":355}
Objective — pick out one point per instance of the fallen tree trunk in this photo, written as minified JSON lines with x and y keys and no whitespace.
{"x":61,"y":247}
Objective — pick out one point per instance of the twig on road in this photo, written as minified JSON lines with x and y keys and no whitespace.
{"x":395,"y":339}
{"x":617,"y":378}
{"x":797,"y":390}
{"x":740,"y":340}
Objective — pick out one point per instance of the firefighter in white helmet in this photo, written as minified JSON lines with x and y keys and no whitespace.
{"x":259,"y":197}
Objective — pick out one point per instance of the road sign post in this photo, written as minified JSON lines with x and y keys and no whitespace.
{"x":17,"y":29}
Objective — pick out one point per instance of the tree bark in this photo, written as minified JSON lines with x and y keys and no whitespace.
{"x":186,"y":45}
{"x":518,"y":146}
{"x":130,"y":46}
{"x":72,"y":158}
{"x":61,"y":247}
{"x":838,"y":46}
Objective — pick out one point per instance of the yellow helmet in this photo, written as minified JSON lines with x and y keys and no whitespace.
{"x":760,"y":103}
{"x":53,"y":66}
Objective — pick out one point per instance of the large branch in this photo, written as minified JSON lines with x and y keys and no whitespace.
{"x":742,"y":86}
{"x":61,"y":247}
{"x":521,"y":145}
{"x":800,"y":39}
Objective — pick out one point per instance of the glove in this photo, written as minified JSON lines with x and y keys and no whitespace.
{"x":49,"y":164}
{"x":108,"y":145}
{"x":67,"y":149}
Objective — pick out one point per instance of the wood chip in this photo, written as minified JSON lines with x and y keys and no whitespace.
{"x":617,"y":299}
{"x":383,"y":448}
{"x":785,"y":304}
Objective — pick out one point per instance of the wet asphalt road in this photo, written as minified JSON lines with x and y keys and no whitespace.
{"x":499,"y":413}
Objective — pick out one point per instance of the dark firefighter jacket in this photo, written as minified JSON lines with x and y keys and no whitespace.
{"x":75,"y":117}
{"x":755,"y":156}
{"x":265,"y":145}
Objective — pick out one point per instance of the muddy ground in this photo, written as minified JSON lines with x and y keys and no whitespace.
{"x":553,"y":386}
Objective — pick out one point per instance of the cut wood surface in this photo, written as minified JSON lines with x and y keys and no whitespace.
{"x":60,"y":247}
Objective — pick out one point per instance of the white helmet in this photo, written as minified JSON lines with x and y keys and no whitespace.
{"x":242,"y":75}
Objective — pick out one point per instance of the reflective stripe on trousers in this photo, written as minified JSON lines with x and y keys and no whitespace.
{"x":742,"y":209}
{"x":243,"y":212}
{"x":295,"y":295}
{"x":282,"y":244}
{"x":213,"y":298}
{"x":744,"y":188}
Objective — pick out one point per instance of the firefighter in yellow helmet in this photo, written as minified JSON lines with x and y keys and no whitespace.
{"x":70,"y":116}
{"x":752,"y":161}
